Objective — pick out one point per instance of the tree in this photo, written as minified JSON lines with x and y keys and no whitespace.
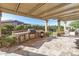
{"x":7,"y":28}
{"x":74,"y":25}
{"x":19,"y":27}
{"x":26,"y":27}
{"x":54,"y":28}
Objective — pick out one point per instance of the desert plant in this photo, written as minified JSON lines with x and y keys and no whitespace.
{"x":74,"y":25}
{"x":7,"y":29}
{"x":6,"y":41}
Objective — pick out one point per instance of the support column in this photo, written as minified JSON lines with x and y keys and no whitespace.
{"x":46,"y":26}
{"x":65,"y":26}
{"x":0,"y":23}
{"x":66,"y":31}
{"x":58,"y":31}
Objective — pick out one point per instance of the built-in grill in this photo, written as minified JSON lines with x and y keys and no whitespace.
{"x":32,"y":31}
{"x":27,"y":35}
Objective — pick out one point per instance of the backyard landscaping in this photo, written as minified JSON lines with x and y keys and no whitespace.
{"x":8,"y":38}
{"x":51,"y":46}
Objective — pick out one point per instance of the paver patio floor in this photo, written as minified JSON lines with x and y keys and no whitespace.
{"x":52,"y":46}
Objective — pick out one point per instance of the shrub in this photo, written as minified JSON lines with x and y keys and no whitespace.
{"x":19,"y":27}
{"x":6,"y":41}
{"x":49,"y":33}
{"x":7,"y":29}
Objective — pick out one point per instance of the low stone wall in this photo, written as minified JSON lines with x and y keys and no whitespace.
{"x":25,"y":35}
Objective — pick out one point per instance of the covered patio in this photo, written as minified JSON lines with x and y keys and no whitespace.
{"x":44,"y":11}
{"x":47,"y":46}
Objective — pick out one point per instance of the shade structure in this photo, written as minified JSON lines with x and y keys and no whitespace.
{"x":44,"y":11}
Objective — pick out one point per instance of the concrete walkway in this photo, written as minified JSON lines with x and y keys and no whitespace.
{"x":52,"y":46}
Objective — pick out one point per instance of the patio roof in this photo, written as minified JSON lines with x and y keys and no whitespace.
{"x":44,"y":11}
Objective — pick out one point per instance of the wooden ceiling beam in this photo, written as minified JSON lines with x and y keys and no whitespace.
{"x":69,"y":19}
{"x":74,"y":17}
{"x":17,"y":7}
{"x":51,"y":9}
{"x":66,"y":18}
{"x":36,"y":8}
{"x":70,"y":15}
{"x":17,"y":13}
{"x":50,"y":15}
{"x":67,"y":12}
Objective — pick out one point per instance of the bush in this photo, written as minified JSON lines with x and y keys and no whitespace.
{"x":49,"y":33}
{"x":7,"y":29}
{"x":6,"y":41}
{"x":72,"y":29}
{"x":19,"y":27}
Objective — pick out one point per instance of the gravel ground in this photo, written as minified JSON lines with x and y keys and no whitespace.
{"x":52,"y":46}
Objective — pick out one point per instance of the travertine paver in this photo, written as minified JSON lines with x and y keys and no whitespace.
{"x":60,"y":46}
{"x":8,"y":54}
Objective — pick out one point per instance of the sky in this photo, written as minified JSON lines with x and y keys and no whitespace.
{"x":34,"y":21}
